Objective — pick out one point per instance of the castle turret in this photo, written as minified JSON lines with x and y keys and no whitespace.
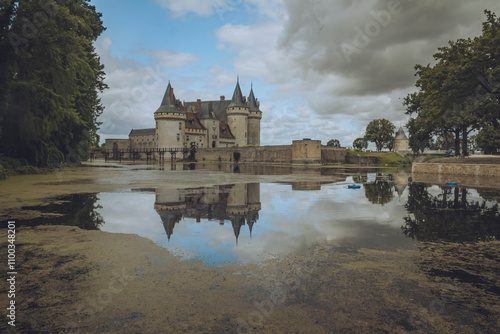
{"x":400,"y":142}
{"x":170,"y":121}
{"x":254,"y":117}
{"x":237,"y":117}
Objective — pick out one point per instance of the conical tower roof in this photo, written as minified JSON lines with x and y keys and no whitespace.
{"x":401,"y":134}
{"x":237,"y":100}
{"x":252,"y":102}
{"x":169,"y":103}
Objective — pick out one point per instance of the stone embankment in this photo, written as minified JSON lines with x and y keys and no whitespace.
{"x":474,"y":171}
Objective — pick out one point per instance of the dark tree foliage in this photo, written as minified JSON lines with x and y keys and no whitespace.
{"x":449,"y":216}
{"x":333,"y":143}
{"x":458,"y":94}
{"x":50,"y":78}
{"x":488,"y":139}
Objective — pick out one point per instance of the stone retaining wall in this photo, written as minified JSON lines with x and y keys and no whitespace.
{"x":456,"y":169}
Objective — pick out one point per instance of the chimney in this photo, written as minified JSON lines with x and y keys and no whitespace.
{"x":172,"y":96}
{"x":210,"y":107}
{"x":222,"y":98}
{"x":198,"y":106}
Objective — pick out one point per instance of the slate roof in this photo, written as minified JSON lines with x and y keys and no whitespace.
{"x":218,"y":108}
{"x":237,"y":100}
{"x":142,"y":132}
{"x":252,"y":102}
{"x":401,"y":134}
{"x":169,"y":103}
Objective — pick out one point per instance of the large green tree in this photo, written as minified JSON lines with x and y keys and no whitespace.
{"x":50,"y":80}
{"x":458,"y":94}
{"x":381,"y":132}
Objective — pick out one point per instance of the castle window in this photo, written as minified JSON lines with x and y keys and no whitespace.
{"x":180,"y":125}
{"x":178,"y":137}
{"x":187,"y":138}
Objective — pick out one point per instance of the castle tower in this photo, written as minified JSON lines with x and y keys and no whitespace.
{"x":170,"y":121}
{"x":400,"y":142}
{"x":237,"y":117}
{"x":254,"y":117}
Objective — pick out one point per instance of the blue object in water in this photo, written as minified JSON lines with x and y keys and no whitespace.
{"x":354,"y":186}
{"x":451,"y":183}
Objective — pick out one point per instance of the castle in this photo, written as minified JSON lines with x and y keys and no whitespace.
{"x":204,"y":124}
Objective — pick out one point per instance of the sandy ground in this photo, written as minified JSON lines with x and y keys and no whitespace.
{"x":79,"y":281}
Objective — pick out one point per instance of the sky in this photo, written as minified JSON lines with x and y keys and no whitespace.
{"x":321,"y":69}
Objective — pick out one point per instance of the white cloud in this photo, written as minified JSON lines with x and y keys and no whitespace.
{"x":171,"y":59}
{"x":299,"y":52}
{"x":135,"y":90}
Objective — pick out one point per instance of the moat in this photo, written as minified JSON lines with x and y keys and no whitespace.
{"x":276,"y":249}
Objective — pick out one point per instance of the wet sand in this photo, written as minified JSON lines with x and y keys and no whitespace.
{"x":73,"y":280}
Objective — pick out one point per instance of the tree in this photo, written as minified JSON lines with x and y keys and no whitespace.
{"x":360,"y":143}
{"x":457,"y":95}
{"x":51,"y":77}
{"x":488,"y":139}
{"x":381,"y":132}
{"x":333,"y":143}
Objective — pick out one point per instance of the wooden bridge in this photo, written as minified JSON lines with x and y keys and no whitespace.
{"x":134,"y":154}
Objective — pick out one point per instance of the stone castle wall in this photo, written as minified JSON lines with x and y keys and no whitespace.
{"x":306,"y":151}
{"x":333,"y":155}
{"x":300,"y":152}
{"x":276,"y":154}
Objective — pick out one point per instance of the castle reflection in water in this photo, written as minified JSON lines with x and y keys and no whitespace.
{"x":238,"y":204}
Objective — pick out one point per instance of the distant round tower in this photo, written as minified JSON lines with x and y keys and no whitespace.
{"x":237,"y":117}
{"x":254,"y":117}
{"x":400,"y":142}
{"x":170,"y":121}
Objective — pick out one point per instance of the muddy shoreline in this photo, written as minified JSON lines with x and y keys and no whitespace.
{"x":95,"y":282}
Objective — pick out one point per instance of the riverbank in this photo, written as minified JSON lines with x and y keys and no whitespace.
{"x":471,"y":169}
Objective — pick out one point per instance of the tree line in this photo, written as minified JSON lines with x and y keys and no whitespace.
{"x":459,"y":94}
{"x":378,"y":131}
{"x":50,"y":78}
